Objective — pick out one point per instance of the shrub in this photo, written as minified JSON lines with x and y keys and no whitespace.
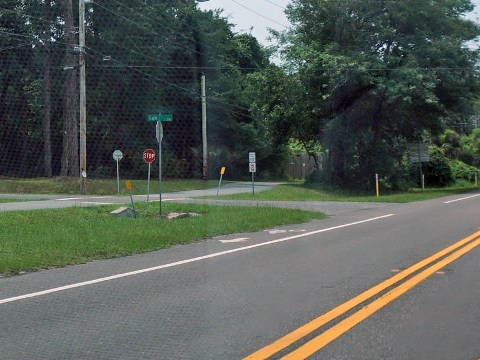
{"x":437,"y":171}
{"x":462,"y":171}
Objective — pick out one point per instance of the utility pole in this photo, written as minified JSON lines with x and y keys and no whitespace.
{"x":83,"y":97}
{"x":204,"y":130}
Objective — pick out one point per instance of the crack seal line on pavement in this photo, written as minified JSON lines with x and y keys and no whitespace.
{"x":182,"y":262}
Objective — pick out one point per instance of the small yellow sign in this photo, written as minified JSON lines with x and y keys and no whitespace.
{"x":222,"y":170}
{"x":128,"y":184}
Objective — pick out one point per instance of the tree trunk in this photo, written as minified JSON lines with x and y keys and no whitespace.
{"x":47,"y":145}
{"x":70,"y":157}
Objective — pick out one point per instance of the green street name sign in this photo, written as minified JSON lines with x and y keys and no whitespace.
{"x":159,"y":117}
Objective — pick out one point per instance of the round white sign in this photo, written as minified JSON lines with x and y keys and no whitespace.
{"x":117,"y":155}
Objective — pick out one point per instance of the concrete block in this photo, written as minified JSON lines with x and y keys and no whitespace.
{"x":125,"y":212}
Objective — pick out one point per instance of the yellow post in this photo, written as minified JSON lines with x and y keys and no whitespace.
{"x":222,"y":171}
{"x":128,"y":185}
{"x":377,"y":187}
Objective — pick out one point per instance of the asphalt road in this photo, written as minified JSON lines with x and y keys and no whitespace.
{"x":229,"y":297}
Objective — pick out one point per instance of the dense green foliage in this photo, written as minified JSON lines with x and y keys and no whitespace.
{"x":360,"y":81}
{"x":141,"y":57}
{"x":365,"y":78}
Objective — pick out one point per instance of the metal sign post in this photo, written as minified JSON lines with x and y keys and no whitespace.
{"x":252,"y":167}
{"x":158,"y":119}
{"x":117,"y":156}
{"x":148,"y":183}
{"x":159,"y":135}
{"x":149,"y":158}
{"x":418,"y":153}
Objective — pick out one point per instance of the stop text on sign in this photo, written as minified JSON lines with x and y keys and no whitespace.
{"x":149,"y":156}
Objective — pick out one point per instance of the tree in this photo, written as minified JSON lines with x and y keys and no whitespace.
{"x":16,"y":82}
{"x":471,"y":148}
{"x":70,"y":160}
{"x":374,"y":73}
{"x":47,"y":93}
{"x":141,"y":57}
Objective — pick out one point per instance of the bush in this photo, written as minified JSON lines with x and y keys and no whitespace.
{"x":462,"y":171}
{"x":437,"y":171}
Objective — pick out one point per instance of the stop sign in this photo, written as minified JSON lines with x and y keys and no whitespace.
{"x":149,"y":156}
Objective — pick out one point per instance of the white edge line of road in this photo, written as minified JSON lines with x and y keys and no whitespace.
{"x":234,"y":240}
{"x":182,"y":262}
{"x":97,"y":203}
{"x":82,"y":198}
{"x":464,"y":198}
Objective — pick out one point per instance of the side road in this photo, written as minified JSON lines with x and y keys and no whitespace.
{"x":38,"y":201}
{"x":48,"y":201}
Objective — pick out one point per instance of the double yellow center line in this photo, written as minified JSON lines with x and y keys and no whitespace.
{"x":430,"y":266}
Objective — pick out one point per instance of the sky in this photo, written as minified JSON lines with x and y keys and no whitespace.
{"x":252,"y":16}
{"x":256,"y":16}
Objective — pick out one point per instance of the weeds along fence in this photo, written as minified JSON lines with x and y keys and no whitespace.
{"x":140,"y":58}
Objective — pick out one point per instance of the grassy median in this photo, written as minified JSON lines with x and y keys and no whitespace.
{"x":32,"y":240}
{"x":301,"y":192}
{"x":61,"y":185}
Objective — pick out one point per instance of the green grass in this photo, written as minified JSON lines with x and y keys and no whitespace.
{"x":300,"y":192}
{"x":5,"y":200}
{"x":32,"y":240}
{"x":96,"y":186}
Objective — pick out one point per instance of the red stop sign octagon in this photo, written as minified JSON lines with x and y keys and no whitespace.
{"x":149,"y":156}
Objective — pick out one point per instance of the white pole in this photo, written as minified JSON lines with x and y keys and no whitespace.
{"x":160,"y":138}
{"x":148,"y":184}
{"x":118,"y":178}
{"x":204,"y":130}
{"x":83,"y":101}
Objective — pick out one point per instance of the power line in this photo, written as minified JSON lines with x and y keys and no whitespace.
{"x":271,"y":2}
{"x":154,"y":32}
{"x":16,"y":47}
{"x":40,"y":41}
{"x":138,"y":25}
{"x":332,"y":69}
{"x":174,"y":18}
{"x":50,"y":22}
{"x":259,"y":14}
{"x":37,"y":39}
{"x":156,"y":79}
{"x":136,"y":69}
{"x":157,"y":60}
